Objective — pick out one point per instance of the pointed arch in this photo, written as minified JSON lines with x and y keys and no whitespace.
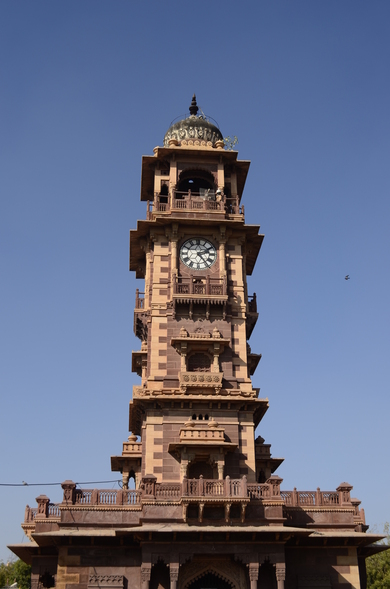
{"x":231,"y":574}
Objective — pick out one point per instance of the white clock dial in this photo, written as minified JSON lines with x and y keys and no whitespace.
{"x":198,"y":253}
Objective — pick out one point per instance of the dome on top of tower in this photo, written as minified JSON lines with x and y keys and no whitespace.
{"x":195,"y":130}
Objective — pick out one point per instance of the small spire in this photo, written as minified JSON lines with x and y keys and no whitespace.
{"x":193,"y":106}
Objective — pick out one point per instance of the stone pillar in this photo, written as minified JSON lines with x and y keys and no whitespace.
{"x":148,"y":257}
{"x":174,"y":574}
{"x":125,"y":480}
{"x":183,"y":468}
{"x":43,"y":502}
{"x":69,"y":490}
{"x":137,"y":479}
{"x":280,"y":574}
{"x":146,"y":570}
{"x":222,"y":259}
{"x":254,"y":574}
{"x":220,"y":465}
{"x":174,"y":240}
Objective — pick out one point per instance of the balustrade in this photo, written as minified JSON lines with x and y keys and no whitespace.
{"x":259,"y":491}
{"x":252,"y":303}
{"x":310,"y":498}
{"x":195,"y":286}
{"x":139,"y":300}
{"x":198,"y":489}
{"x":168,"y":491}
{"x":194,"y":201}
{"x":215,"y":487}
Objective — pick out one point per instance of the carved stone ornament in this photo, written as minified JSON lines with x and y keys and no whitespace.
{"x":106,"y":581}
{"x":280,"y":571}
{"x":145,"y":573}
{"x":174,"y":572}
{"x":254,"y":571}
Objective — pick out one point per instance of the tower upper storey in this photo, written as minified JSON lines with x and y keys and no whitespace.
{"x":193,"y":173}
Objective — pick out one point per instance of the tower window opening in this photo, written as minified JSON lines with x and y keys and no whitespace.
{"x":200,"y":417}
{"x":199,"y":363}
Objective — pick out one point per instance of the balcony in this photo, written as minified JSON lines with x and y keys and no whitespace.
{"x":196,"y":498}
{"x":208,"y":380}
{"x":184,"y":203}
{"x":200,"y":290}
{"x":140,"y":316}
{"x":252,"y":315}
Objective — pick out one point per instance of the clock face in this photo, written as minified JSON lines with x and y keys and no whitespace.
{"x":198,"y":254}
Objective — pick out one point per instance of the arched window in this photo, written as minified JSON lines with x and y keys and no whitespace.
{"x":198,"y":181}
{"x":199,"y":362}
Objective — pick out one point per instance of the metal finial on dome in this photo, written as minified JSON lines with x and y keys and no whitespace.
{"x":193,"y":106}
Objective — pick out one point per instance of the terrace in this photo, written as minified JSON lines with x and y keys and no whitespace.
{"x":200,"y":499}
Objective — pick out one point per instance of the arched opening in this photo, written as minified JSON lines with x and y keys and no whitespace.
{"x":159,"y":578}
{"x":199,"y":362}
{"x":198,"y":468}
{"x":267,"y":576}
{"x":132,"y":479}
{"x":164,"y":192}
{"x":210,"y":581}
{"x":198,"y":181}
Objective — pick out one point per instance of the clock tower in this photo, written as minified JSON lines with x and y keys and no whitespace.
{"x":195,"y":409}
{"x":199,"y":505}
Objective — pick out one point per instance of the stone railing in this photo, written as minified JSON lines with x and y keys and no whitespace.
{"x":132,"y":448}
{"x":105,"y":497}
{"x":30,"y":514}
{"x":45,"y":510}
{"x":213,"y":488}
{"x":168,"y":491}
{"x":206,"y":201}
{"x":198,"y":490}
{"x":199,"y":434}
{"x":318,"y":498}
{"x":192,"y":287}
{"x":139,"y":299}
{"x":252,"y":303}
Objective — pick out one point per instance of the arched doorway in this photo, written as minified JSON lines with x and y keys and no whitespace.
{"x":210,"y":581}
{"x":217,"y":573}
{"x":267,"y":576}
{"x":159,"y":578}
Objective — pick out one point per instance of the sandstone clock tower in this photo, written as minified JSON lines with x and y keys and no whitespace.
{"x":199,"y":505}
{"x":196,"y":409}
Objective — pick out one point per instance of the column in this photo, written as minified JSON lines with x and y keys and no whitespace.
{"x":280,"y":574}
{"x":174,"y":574}
{"x":254,"y":574}
{"x":222,"y":259}
{"x":148,"y":259}
{"x":125,"y":480}
{"x":146,"y":569}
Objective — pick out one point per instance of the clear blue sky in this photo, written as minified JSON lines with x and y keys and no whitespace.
{"x":87,"y":88}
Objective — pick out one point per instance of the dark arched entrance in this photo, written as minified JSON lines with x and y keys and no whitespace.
{"x":267,"y":577}
{"x":210,"y":581}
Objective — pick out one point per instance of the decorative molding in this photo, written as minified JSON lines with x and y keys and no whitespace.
{"x":106,"y":581}
{"x":280,"y":571}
